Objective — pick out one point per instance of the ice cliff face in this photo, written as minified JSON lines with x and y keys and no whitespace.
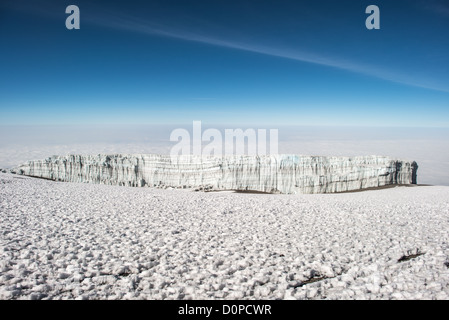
{"x":272,"y":173}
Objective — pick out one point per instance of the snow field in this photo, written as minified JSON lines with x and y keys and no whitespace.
{"x":86,"y":241}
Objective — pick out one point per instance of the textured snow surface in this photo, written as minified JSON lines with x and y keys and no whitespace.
{"x":91,"y":241}
{"x":274,"y":173}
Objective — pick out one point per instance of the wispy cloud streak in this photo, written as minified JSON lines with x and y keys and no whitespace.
{"x":133,"y":24}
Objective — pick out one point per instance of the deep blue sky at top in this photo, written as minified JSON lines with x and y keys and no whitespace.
{"x":225,"y":62}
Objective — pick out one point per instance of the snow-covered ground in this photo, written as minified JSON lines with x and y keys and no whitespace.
{"x":85,"y":241}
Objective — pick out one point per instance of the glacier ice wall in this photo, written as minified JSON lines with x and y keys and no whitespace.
{"x":271,"y":173}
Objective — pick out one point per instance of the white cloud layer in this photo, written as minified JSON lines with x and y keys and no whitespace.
{"x":428,"y":147}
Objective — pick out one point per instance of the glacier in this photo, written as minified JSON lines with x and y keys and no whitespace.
{"x":283,"y":173}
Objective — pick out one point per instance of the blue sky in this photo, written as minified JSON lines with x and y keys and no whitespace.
{"x":225,"y":62}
